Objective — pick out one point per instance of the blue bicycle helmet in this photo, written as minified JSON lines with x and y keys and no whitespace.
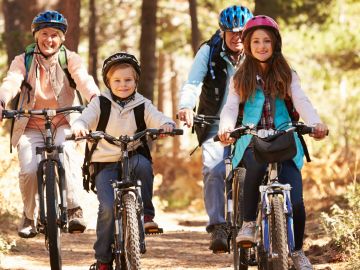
{"x":234,"y":18}
{"x":51,"y":19}
{"x":120,"y":57}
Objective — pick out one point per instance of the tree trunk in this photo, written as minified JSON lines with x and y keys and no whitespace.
{"x":195,"y":32}
{"x":174,"y":98}
{"x":71,"y":10}
{"x":160,"y":80}
{"x":147,"y":48}
{"x":93,"y":46}
{"x":18,"y":16}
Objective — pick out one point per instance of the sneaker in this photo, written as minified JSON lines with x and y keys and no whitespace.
{"x":26,"y":228}
{"x":247,"y":232}
{"x":100,"y":266}
{"x":301,"y":262}
{"x":76,"y":220}
{"x":149,"y":223}
{"x":219,"y":239}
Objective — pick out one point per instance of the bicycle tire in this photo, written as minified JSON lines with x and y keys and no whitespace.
{"x":278,"y":233}
{"x":52,"y":216}
{"x":239,"y":253}
{"x":131,"y":233}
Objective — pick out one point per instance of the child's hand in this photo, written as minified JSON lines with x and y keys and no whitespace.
{"x":224,"y":136}
{"x":80,"y":132}
{"x":167,"y":127}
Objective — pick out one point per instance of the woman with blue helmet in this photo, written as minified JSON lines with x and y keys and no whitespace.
{"x":41,"y":83}
{"x":208,"y":80}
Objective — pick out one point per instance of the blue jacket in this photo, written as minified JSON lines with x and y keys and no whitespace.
{"x":252,"y":114}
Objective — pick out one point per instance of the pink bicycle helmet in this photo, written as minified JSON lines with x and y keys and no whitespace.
{"x":263,"y":21}
{"x":258,"y":22}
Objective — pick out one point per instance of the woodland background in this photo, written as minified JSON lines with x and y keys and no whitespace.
{"x":320,"y":40}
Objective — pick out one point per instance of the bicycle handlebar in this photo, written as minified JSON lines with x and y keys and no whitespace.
{"x":299,"y":127}
{"x":45,"y":112}
{"x":97,"y":135}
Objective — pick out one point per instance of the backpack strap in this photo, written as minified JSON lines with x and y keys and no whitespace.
{"x":64,"y":66}
{"x":141,"y":125}
{"x":294,"y":115}
{"x":105,"y":109}
{"x":213,"y":43}
{"x":28,"y":57}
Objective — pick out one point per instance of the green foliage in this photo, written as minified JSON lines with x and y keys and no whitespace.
{"x":328,"y":61}
{"x":344,"y":226}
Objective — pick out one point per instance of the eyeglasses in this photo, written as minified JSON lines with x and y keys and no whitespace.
{"x":235,"y":33}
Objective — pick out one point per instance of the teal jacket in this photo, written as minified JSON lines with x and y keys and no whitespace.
{"x":252,"y":114}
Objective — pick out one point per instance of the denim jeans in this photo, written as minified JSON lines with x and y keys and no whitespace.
{"x":288,"y":174}
{"x":213,"y":155}
{"x":142,"y":169}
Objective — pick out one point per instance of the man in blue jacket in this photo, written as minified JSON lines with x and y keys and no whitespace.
{"x":208,"y":81}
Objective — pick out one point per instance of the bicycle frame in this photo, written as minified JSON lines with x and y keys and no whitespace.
{"x":126,"y":185}
{"x":45,"y":155}
{"x":51,"y":178}
{"x":127,"y":206}
{"x":272,"y":195}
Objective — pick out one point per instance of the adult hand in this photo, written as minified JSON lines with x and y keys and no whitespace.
{"x":186,"y":115}
{"x":320,"y":131}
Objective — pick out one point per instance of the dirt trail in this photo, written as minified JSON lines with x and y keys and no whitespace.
{"x":184,"y":245}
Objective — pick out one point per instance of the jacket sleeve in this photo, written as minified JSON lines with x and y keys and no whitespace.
{"x":229,"y":113}
{"x":191,"y":90}
{"x":84,"y":82}
{"x":89,"y":118}
{"x":302,"y":103}
{"x":14,"y":77}
{"x":153,"y":117}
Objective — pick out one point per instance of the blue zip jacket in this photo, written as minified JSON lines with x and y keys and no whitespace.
{"x":252,"y":114}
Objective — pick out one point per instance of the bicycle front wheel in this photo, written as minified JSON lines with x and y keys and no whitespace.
{"x":239,"y":253}
{"x":278,"y":233}
{"x":52,"y":216}
{"x":131,"y":233}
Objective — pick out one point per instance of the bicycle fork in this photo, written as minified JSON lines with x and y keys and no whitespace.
{"x":267,"y":191}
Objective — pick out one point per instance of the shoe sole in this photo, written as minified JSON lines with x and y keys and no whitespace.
{"x":245,"y":243}
{"x":218,"y":247}
{"x":76,"y":228}
{"x":24,"y":235}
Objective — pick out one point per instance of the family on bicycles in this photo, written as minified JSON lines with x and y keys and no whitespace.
{"x":239,"y":73}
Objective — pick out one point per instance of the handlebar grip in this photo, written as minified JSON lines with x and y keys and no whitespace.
{"x":306,"y":130}
{"x":216,"y":138}
{"x":70,"y":137}
{"x":177,"y":131}
{"x":8,"y":113}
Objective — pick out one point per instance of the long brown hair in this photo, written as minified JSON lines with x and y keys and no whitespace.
{"x":277,"y":75}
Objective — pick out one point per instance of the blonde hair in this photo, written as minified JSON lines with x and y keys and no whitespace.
{"x":59,"y":32}
{"x":121,"y":66}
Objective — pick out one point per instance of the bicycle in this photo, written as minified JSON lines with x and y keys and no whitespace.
{"x":129,"y":235}
{"x":274,"y":223}
{"x":51,"y":178}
